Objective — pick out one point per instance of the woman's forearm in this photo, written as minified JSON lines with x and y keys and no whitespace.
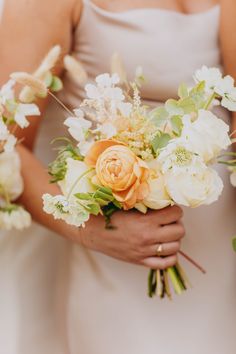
{"x":36,"y":183}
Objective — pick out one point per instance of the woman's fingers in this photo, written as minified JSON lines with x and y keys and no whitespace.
{"x":164,"y":234}
{"x":165,"y":249}
{"x":159,"y":263}
{"x":167,"y":215}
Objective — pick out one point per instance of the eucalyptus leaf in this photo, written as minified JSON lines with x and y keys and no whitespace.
{"x":172,"y":107}
{"x":183,"y":91}
{"x":187,"y":105}
{"x":177,"y":124}
{"x":160,"y":141}
{"x":159,"y":116}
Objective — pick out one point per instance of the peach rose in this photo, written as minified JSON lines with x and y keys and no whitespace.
{"x":119,"y":169}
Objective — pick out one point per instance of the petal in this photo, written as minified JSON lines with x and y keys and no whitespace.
{"x":97,"y":149}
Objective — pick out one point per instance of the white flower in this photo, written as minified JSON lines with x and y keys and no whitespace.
{"x":227,"y":91}
{"x":108,"y":130}
{"x":7,"y":92}
{"x":188,"y":180}
{"x":18,"y":219}
{"x":106,"y":98}
{"x":107,"y":80}
{"x":23,"y":110}
{"x":76,"y":180}
{"x":10,"y":177}
{"x":10,"y":143}
{"x":158,"y":197}
{"x":207,"y":135}
{"x":4,"y":132}
{"x":61,"y":209}
{"x":78,"y":126}
{"x":233,"y":176}
{"x":84,"y":146}
{"x":211,"y":77}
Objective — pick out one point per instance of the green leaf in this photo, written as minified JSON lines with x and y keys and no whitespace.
{"x":187,"y":104}
{"x":56,"y":84}
{"x":234,"y":243}
{"x":172,"y":107}
{"x":160,"y":141}
{"x":84,"y":196}
{"x":159,"y":116}
{"x":93,"y":208}
{"x":177,"y":124}
{"x":183,"y":91}
{"x":57,"y":169}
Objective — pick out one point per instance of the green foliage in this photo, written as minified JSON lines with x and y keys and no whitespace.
{"x":57,"y":169}
{"x":183,"y":91}
{"x":99,"y":201}
{"x":56,"y":84}
{"x":159,"y":116}
{"x":160,"y":141}
{"x":177,"y":125}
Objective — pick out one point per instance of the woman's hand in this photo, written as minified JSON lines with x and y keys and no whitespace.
{"x":137,"y":237}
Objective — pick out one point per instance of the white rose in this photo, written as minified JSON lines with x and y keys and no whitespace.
{"x":10,"y":176}
{"x":187,"y":179}
{"x":77,"y":178}
{"x":158,"y":197}
{"x":207,"y":135}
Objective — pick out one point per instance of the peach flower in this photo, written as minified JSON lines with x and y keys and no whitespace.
{"x":119,"y":169}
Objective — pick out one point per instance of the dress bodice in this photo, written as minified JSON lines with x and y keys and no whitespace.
{"x":168,"y":45}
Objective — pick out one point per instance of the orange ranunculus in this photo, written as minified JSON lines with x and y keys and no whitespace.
{"x":119,"y":169}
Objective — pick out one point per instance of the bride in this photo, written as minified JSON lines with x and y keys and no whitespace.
{"x":59,"y":297}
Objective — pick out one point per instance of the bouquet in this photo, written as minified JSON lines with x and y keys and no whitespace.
{"x":123,"y":155}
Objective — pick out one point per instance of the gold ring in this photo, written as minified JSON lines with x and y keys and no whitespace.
{"x":159,"y":250}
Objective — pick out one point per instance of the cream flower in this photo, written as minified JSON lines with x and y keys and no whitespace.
{"x":227,"y":91}
{"x":207,"y":135}
{"x":77,"y":178}
{"x":188,"y":180}
{"x":11,"y":180}
{"x":119,"y":169}
{"x":158,"y":198}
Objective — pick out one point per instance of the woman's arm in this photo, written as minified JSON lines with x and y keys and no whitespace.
{"x":228,"y":42}
{"x":25,"y":39}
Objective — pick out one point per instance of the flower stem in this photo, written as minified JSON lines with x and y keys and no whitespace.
{"x":192,"y":262}
{"x":77,"y":181}
{"x":61,"y":103}
{"x":209,"y":101}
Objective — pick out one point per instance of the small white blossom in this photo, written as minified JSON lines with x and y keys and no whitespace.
{"x":4,"y":132}
{"x":211,"y":77}
{"x":24,"y":110}
{"x":10,"y":143}
{"x":61,"y":209}
{"x":78,"y":126}
{"x":17,"y":218}
{"x":108,"y":130}
{"x":10,"y":177}
{"x":7,"y":92}
{"x":227,"y":91}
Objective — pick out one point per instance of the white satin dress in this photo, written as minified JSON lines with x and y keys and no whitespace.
{"x":59,"y":298}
